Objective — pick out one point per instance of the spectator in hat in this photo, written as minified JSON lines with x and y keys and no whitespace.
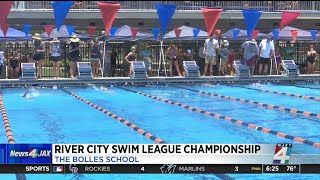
{"x":38,"y":53}
{"x":95,"y":57}
{"x":250,"y":51}
{"x":266,"y":54}
{"x":172,"y":56}
{"x":211,"y":46}
{"x":131,"y":56}
{"x":224,"y":52}
{"x":55,"y":51}
{"x":74,"y":54}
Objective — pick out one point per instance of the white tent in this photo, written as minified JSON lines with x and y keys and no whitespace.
{"x":242,"y":35}
{"x":125,"y":33}
{"x":285,"y":34}
{"x":186,"y":34}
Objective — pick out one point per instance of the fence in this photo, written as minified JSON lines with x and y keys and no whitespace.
{"x":25,"y":50}
{"x":181,"y":5}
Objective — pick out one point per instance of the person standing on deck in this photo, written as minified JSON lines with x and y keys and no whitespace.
{"x":106,"y":65}
{"x":250,"y":51}
{"x":55,"y":51}
{"x":74,"y":52}
{"x":266,"y":54}
{"x":211,"y":46}
{"x":38,"y":53}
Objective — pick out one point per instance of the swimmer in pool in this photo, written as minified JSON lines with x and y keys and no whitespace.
{"x":26,"y":94}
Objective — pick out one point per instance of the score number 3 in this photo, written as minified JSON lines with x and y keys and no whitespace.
{"x":236,"y":168}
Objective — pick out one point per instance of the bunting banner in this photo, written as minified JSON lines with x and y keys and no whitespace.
{"x":217,"y":32}
{"x":294,"y":34}
{"x":155,"y":32}
{"x":60,"y":11}
{"x":70,"y":30}
{"x":251,"y":19}
{"x":4,"y":28}
{"x":314,"y":34}
{"x":275,"y":33}
{"x":255,"y":33}
{"x":48,"y":29}
{"x":195,"y":33}
{"x":177,"y":31}
{"x":109,"y":12}
{"x":134,"y":32}
{"x":165,"y":13}
{"x":5,"y":7}
{"x":113,"y":31}
{"x":288,"y":17}
{"x":27,"y":28}
{"x":235,"y":33}
{"x":211,"y":17}
{"x":92,"y":30}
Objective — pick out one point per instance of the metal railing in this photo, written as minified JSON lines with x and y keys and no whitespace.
{"x":269,"y":6}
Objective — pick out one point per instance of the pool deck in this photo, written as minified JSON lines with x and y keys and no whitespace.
{"x":159,"y":80}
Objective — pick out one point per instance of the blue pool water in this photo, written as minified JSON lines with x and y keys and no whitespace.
{"x":53,"y":116}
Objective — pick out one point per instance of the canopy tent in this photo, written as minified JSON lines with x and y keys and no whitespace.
{"x":285,"y":34}
{"x":186,"y":34}
{"x":125,"y":33}
{"x":63,"y":33}
{"x":242,"y":35}
{"x":14,"y":34}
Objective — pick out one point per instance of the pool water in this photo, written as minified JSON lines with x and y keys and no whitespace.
{"x":53,"y":116}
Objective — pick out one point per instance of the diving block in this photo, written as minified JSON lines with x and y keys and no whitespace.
{"x":290,"y":68}
{"x":84,"y":70}
{"x":242,"y":70}
{"x":191,"y":68}
{"x":28,"y":71}
{"x":139,"y":69}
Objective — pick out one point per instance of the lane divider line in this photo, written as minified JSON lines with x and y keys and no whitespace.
{"x":301,"y":86}
{"x":118,"y":118}
{"x":218,"y":116}
{"x":269,"y":106}
{"x":280,"y":93}
{"x":6,"y":123}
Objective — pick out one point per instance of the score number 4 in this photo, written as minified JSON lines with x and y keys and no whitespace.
{"x":142,"y":169}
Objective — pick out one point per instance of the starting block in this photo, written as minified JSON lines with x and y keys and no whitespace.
{"x":242,"y":70}
{"x":191,"y":68}
{"x":290,"y":68}
{"x":28,"y":71}
{"x":84,"y":70}
{"x":139,"y":69}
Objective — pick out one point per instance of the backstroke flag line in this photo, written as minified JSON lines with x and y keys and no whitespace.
{"x":60,"y":11}
{"x":177,"y":31}
{"x":155,"y":32}
{"x":275,"y":33}
{"x":92,"y":30}
{"x":235,"y":33}
{"x":5,"y":7}
{"x":211,"y":17}
{"x":4,"y":28}
{"x":27,"y":28}
{"x":113,"y":31}
{"x":48,"y":29}
{"x":109,"y":12}
{"x":251,"y":19}
{"x":294,"y":34}
{"x":255,"y":33}
{"x":70,"y":30}
{"x":313,"y":34}
{"x":134,"y":32}
{"x":288,"y":17}
{"x":165,"y":13}
{"x":195,"y":33}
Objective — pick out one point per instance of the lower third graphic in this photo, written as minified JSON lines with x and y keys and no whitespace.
{"x":282,"y":154}
{"x":168,"y":168}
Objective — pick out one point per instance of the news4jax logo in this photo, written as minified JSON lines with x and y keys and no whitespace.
{"x":32,"y":153}
{"x":282,"y":154}
{"x":168,"y":168}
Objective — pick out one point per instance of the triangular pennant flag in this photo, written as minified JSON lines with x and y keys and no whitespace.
{"x":70,"y":30}
{"x":251,"y":19}
{"x":217,"y":32}
{"x":255,"y":33}
{"x":195,"y":33}
{"x":177,"y":31}
{"x":134,"y":32}
{"x":109,"y":12}
{"x":294,"y":34}
{"x":4,"y":28}
{"x":113,"y":31}
{"x":211,"y":17}
{"x":313,"y":34}
{"x":235,"y":33}
{"x":27,"y":28}
{"x":275,"y":33}
{"x":92,"y":30}
{"x":5,"y":7}
{"x":287,"y":17}
{"x":48,"y":29}
{"x":155,"y":32}
{"x":60,"y":11}
{"x":165,"y":13}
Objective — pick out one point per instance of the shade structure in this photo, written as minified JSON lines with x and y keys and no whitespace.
{"x":285,"y":34}
{"x":186,"y":34}
{"x":242,"y":35}
{"x":63,"y":33}
{"x":124,"y":33}
{"x":14,"y":34}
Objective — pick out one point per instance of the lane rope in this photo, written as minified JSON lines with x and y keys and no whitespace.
{"x":218,"y":116}
{"x":118,"y":118}
{"x":8,"y":130}
{"x":280,"y":93}
{"x":301,"y":86}
{"x":270,"y":106}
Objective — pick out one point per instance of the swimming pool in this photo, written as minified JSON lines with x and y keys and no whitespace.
{"x":53,"y":116}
